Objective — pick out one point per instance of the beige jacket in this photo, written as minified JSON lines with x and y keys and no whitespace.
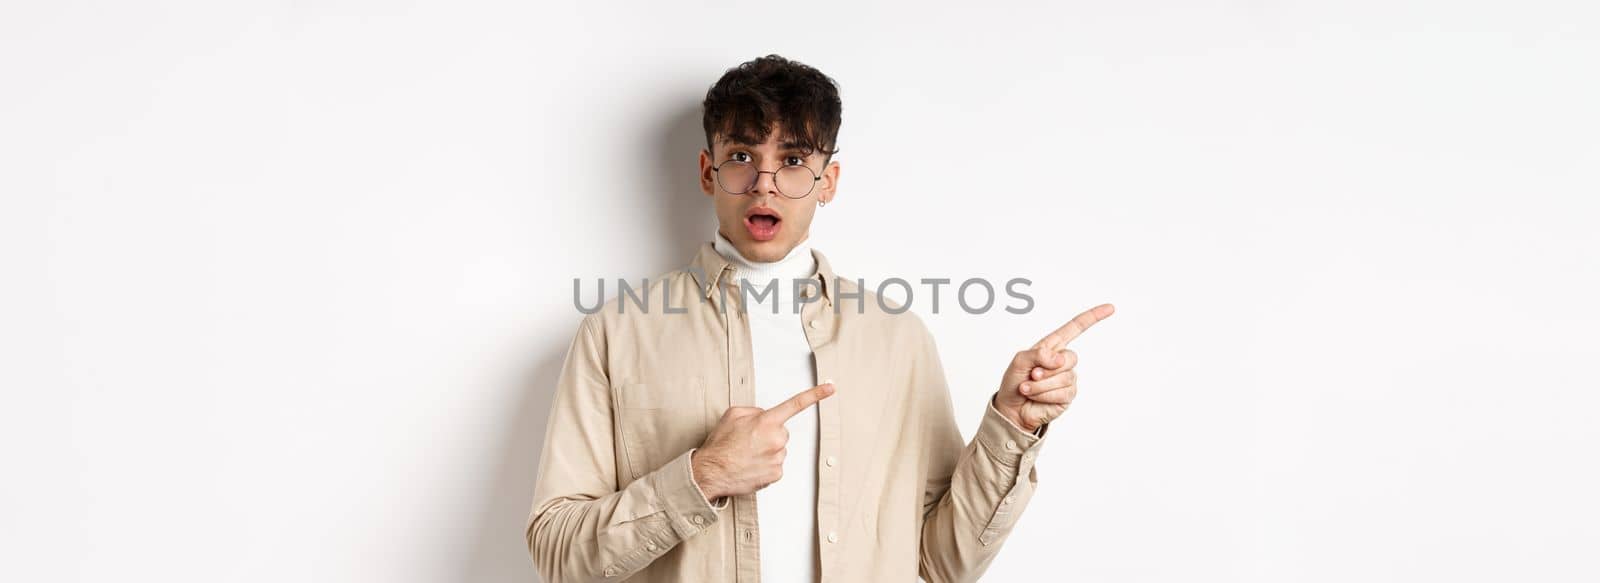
{"x":898,"y":495}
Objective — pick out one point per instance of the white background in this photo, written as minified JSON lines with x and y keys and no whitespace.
{"x":286,"y":284}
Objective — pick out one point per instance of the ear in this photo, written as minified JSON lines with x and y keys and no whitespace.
{"x":708,"y":180}
{"x":830,"y":182}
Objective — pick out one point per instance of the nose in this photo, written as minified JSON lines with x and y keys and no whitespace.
{"x":766,"y":183}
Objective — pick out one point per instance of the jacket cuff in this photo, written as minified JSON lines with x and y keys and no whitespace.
{"x":1015,"y":451}
{"x":1007,"y":443}
{"x":686,"y":506}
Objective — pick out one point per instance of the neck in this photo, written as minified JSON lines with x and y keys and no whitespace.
{"x":797,"y":264}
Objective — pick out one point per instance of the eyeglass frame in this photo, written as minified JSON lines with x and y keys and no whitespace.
{"x":815,"y":178}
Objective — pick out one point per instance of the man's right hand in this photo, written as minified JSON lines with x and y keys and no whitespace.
{"x":744,"y":452}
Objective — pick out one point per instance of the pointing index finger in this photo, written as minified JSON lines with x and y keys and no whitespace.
{"x":1066,"y":333}
{"x":794,"y":405}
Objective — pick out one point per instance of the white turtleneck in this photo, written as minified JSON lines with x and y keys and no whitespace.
{"x":786,"y":509}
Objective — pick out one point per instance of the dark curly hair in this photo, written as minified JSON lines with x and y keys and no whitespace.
{"x":744,"y":104}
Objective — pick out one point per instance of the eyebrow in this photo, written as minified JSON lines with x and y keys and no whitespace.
{"x":789,"y":145}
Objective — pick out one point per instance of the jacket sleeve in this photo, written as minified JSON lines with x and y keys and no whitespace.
{"x":974,"y":493}
{"x":582,"y":527}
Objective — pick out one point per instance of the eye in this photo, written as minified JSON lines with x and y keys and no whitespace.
{"x":794,"y":161}
{"x":740,"y":157}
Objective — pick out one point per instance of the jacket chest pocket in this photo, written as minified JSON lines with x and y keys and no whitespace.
{"x":659,"y":420}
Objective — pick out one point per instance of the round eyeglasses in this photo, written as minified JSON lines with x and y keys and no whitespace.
{"x":795,"y":181}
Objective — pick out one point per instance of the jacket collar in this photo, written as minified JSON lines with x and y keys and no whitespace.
{"x":710,"y":269}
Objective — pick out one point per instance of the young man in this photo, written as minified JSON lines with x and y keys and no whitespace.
{"x":684,"y":443}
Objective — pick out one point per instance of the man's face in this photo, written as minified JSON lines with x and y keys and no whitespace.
{"x":761,"y":223}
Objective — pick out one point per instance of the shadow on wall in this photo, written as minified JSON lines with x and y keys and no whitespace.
{"x":680,"y":215}
{"x":680,"y":218}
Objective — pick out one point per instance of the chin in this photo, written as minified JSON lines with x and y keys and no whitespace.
{"x":766,"y":251}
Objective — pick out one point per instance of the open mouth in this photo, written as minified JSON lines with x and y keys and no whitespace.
{"x":763,"y":223}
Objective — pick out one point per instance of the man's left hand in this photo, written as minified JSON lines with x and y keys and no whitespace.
{"x":1040,"y":382}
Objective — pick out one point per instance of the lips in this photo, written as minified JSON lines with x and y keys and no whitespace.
{"x":763,"y":223}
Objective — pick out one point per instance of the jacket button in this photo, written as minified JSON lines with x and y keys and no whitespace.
{"x":815,"y":324}
{"x":833,"y":537}
{"x":611,"y":572}
{"x":830,"y":460}
{"x":650,"y":545}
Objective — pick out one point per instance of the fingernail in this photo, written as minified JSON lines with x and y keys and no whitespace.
{"x":1026,"y":389}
